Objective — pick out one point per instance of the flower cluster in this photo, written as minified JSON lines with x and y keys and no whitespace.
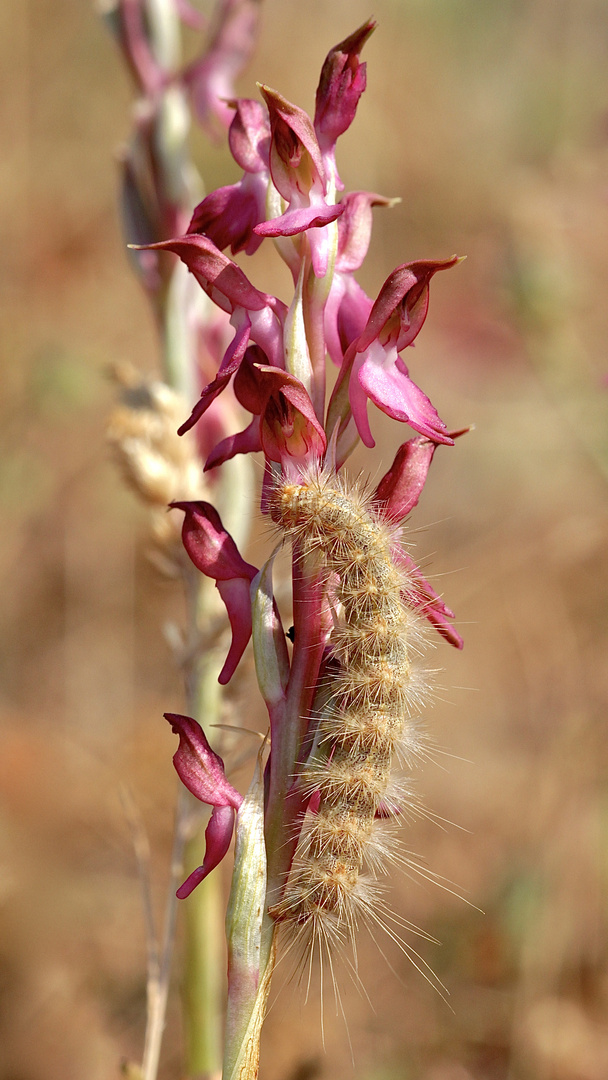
{"x":275,"y":363}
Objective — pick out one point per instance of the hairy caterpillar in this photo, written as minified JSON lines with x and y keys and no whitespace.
{"x":371,"y":690}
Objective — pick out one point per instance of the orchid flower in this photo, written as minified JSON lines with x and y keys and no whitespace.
{"x":372,"y":367}
{"x":229,"y":214}
{"x":202,"y":772}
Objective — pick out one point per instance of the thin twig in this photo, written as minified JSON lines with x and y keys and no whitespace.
{"x":141,"y":847}
{"x":158,"y":989}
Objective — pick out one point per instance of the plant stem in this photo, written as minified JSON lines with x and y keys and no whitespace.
{"x":203,"y":988}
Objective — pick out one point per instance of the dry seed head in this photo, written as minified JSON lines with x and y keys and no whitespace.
{"x":155,"y":461}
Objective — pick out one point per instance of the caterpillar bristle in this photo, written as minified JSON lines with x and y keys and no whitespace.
{"x":372,"y":694}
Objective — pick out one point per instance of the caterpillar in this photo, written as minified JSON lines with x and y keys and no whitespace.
{"x":370,"y":692}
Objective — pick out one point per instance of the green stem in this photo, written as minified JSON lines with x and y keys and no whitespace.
{"x":203,"y":988}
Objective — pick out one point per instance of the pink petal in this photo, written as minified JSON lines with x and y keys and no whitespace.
{"x":297,"y":221}
{"x":249,"y":136}
{"x":210,"y":547}
{"x":218,"y":835}
{"x":388,"y":385}
{"x":401,"y":487}
{"x":199,"y":768}
{"x":236,"y":596}
{"x":341,"y":84}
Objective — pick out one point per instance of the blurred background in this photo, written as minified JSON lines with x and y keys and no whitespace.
{"x":490,"y":119}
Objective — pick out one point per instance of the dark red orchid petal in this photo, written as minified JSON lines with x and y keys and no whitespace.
{"x":236,"y":596}
{"x":399,"y":490}
{"x":218,"y":835}
{"x":218,"y":275}
{"x":214,"y":553}
{"x":210,"y":547}
{"x":247,"y":386}
{"x":230,"y":364}
{"x":228,"y":215}
{"x":199,"y":768}
{"x":401,"y":487}
{"x":341,"y":84}
{"x":404,"y":297}
{"x":247,"y":441}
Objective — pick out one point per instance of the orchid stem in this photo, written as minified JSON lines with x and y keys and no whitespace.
{"x":204,"y":959}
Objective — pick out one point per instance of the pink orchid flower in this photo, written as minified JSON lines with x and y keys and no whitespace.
{"x":201,"y":770}
{"x":214,"y":552}
{"x":372,"y":367}
{"x":284,"y":423}
{"x":298,"y":174}
{"x":229,"y":214}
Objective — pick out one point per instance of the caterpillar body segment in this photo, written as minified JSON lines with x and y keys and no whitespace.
{"x":370,"y":691}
